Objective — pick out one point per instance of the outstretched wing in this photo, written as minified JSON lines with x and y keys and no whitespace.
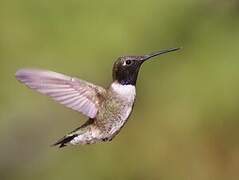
{"x":74,"y":93}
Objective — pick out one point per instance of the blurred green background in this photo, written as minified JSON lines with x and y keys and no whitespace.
{"x":185,"y":123}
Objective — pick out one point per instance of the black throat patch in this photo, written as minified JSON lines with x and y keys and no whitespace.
{"x":126,"y":74}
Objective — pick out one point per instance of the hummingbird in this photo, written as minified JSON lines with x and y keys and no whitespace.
{"x":107,"y":109}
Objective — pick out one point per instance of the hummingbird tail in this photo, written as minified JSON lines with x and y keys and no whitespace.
{"x":82,"y":133}
{"x":65,"y":140}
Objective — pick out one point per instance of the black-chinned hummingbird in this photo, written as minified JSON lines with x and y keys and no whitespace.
{"x":108,"y":109}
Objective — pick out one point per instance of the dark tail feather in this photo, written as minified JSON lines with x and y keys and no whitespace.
{"x":66,"y":139}
{"x":62,"y":142}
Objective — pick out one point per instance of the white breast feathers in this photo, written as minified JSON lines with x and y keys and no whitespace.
{"x":126,"y":91}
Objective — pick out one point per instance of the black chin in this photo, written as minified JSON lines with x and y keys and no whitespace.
{"x":127,"y":82}
{"x":127,"y":77}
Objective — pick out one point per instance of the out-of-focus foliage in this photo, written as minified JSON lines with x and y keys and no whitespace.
{"x":185,"y":123}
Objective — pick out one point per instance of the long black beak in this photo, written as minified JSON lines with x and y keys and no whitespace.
{"x":146,"y":57}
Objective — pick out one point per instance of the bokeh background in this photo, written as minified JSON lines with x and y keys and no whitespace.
{"x":185,"y":123}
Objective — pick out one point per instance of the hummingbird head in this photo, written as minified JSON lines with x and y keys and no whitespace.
{"x":126,"y":68}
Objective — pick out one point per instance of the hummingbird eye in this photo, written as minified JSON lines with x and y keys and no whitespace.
{"x":128,"y":62}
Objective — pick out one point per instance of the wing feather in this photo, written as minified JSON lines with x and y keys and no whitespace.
{"x":74,"y":93}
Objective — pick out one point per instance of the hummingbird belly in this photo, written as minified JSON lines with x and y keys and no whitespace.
{"x":115,"y":110}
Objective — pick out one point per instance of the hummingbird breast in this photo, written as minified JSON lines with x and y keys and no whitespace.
{"x":115,"y":109}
